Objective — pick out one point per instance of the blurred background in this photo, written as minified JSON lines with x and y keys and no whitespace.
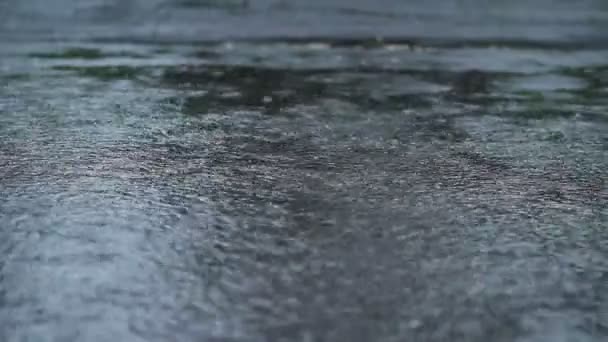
{"x":203,"y":20}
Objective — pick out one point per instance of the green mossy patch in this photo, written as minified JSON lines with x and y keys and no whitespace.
{"x":83,"y":53}
{"x":105,"y":73}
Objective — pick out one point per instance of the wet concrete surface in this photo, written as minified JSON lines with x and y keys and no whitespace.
{"x":303,"y":171}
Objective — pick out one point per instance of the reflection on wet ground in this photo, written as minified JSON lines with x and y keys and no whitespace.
{"x":303,"y":189}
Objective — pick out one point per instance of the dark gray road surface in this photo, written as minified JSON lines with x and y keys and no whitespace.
{"x":303,"y":170}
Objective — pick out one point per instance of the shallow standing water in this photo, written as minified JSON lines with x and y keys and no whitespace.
{"x":303,"y":171}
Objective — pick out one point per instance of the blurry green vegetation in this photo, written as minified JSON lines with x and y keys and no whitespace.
{"x":15,"y":77}
{"x":105,"y":73}
{"x":83,"y":53}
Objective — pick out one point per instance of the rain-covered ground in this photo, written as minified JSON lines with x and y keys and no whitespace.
{"x":276,"y":170}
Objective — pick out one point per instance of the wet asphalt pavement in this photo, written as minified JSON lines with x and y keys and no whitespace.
{"x":271,"y":170}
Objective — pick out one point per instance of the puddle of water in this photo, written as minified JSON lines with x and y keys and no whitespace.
{"x":544,"y":83}
{"x":325,"y":187}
